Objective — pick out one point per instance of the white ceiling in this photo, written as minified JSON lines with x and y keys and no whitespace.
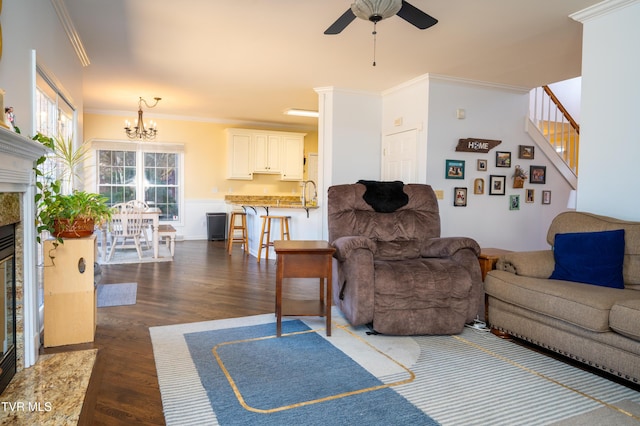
{"x":251,"y":59}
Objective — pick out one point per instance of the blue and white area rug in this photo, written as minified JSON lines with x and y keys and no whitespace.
{"x":235,"y":371}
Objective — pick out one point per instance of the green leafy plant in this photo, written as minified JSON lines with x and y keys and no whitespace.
{"x":77,"y":205}
{"x":66,"y":214}
{"x":53,"y":207}
{"x":68,"y":159}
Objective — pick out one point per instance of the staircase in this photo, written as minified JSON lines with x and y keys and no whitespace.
{"x":555,"y":132}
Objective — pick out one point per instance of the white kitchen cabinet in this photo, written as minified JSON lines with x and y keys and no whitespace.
{"x":239,"y":155}
{"x":266,"y":151}
{"x":292,"y":157}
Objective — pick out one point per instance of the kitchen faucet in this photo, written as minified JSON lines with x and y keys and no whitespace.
{"x":303,"y":197}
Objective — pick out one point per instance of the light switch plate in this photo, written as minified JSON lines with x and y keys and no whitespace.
{"x":439,"y":194}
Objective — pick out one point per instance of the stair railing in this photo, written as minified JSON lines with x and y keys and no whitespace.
{"x":556,"y":124}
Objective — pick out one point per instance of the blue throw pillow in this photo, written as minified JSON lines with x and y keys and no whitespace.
{"x":590,"y":257}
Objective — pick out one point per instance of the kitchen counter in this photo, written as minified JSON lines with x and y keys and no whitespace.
{"x":305,"y":221}
{"x":266,"y":201}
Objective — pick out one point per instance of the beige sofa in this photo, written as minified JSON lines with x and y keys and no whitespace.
{"x":599,"y":326}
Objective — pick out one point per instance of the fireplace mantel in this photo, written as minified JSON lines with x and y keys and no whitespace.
{"x":17,"y":158}
{"x":17,"y":154}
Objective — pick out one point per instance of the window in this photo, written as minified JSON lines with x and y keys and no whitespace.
{"x":54,"y":118}
{"x":141,"y":171}
{"x":161,"y":183}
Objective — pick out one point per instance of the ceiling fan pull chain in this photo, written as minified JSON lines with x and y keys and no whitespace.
{"x":374,"y":43}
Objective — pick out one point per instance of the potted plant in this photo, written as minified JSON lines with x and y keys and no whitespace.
{"x":65,"y":215}
{"x":72,"y":215}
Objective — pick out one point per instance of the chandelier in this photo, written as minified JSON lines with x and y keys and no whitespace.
{"x":139,"y":130}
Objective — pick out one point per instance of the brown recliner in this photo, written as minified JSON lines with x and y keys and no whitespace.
{"x":393,"y":269}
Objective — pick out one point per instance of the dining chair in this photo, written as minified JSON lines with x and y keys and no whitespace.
{"x":126,"y":224}
{"x":138,"y":205}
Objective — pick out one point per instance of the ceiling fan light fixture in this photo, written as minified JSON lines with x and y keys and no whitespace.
{"x":375,"y":10}
{"x":301,"y":112}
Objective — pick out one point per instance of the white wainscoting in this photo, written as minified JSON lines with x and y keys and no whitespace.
{"x":194,"y":226}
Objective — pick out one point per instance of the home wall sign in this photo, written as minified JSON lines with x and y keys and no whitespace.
{"x":476,"y":145}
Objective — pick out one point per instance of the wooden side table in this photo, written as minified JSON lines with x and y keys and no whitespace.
{"x":488,"y":258}
{"x":304,"y":259}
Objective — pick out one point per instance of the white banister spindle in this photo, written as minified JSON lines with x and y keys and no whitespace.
{"x":555,"y":125}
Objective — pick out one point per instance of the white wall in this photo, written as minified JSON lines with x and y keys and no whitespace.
{"x":349,"y":140}
{"x":569,"y":93}
{"x":492,"y":112}
{"x":354,"y":136}
{"x":33,"y":25}
{"x":609,"y":136}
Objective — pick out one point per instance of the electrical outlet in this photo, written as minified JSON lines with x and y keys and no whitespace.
{"x":439,"y":194}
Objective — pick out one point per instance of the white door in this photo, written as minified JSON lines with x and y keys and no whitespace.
{"x":400,"y":156}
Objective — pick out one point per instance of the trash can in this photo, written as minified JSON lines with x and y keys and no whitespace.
{"x":216,"y":226}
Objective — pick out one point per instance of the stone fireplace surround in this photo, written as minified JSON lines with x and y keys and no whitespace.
{"x":17,"y":191}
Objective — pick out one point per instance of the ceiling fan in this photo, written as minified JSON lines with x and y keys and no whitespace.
{"x":377,"y":10}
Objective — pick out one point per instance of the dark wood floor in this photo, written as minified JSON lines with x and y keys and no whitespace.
{"x":202,"y":283}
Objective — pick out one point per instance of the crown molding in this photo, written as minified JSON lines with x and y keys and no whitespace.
{"x":70,"y":29}
{"x":600,"y":9}
{"x":478,"y":83}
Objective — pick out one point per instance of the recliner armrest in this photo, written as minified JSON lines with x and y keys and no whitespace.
{"x":346,"y":245}
{"x":536,"y":264}
{"x":448,"y":246}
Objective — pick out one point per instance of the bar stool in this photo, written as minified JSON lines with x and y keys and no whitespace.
{"x":233,"y":227}
{"x":266,"y":223}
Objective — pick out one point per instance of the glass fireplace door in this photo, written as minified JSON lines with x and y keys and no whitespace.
{"x":7,"y":306}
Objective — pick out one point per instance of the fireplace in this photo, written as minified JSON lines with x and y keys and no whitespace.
{"x":7,"y":305}
{"x":17,"y":213}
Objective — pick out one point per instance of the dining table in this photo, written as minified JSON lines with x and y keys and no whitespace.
{"x":151,"y":217}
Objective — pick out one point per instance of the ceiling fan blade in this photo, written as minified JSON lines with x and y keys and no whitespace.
{"x":415,"y":16}
{"x":341,"y":23}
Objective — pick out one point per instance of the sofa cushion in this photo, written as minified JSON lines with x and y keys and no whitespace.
{"x":590,"y":257}
{"x":625,"y":317}
{"x":573,"y":221}
{"x":587,"y":306}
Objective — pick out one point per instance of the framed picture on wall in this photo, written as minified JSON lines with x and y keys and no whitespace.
{"x":546,"y":197}
{"x":503,"y":159}
{"x":530,"y":196}
{"x":482,"y":165}
{"x":514,"y":202}
{"x":478,"y":186}
{"x":460,"y":197}
{"x":538,"y":174}
{"x":526,"y":152}
{"x":454,"y":169}
{"x":497,"y":184}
